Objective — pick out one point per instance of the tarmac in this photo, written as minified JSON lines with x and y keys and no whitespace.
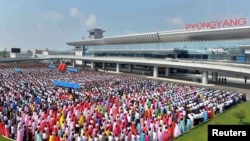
{"x":232,"y":84}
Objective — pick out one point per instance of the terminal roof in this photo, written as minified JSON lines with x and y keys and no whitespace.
{"x":170,"y":36}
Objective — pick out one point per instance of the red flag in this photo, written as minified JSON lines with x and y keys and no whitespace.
{"x":60,"y":66}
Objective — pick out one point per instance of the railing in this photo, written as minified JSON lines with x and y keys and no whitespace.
{"x":209,"y":60}
{"x":179,"y":59}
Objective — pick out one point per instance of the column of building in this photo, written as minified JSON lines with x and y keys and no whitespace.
{"x":92,"y":64}
{"x":155,"y":73}
{"x":73,"y":63}
{"x":204,"y":77}
{"x":167,"y":71}
{"x":214,"y":76}
{"x":103,"y":65}
{"x":117,"y":67}
{"x":130,"y":67}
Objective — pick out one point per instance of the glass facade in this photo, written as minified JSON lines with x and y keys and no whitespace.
{"x":211,"y":50}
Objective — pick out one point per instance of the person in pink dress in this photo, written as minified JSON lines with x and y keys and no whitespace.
{"x":147,"y":137}
{"x":6,"y":131}
{"x":20,"y":134}
{"x":165,"y":134}
{"x":177,"y":131}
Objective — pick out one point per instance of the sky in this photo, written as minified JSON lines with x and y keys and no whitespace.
{"x":41,"y":24}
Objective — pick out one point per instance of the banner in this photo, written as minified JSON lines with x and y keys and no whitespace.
{"x":62,"y":67}
{"x":17,"y":69}
{"x":52,"y":66}
{"x":72,"y":69}
{"x":66,"y":84}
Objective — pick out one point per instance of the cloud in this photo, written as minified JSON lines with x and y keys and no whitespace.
{"x":74,"y":12}
{"x":175,"y":21}
{"x":91,"y":21}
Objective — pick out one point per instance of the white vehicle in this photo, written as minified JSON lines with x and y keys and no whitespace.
{"x":34,"y":56}
{"x":219,"y":51}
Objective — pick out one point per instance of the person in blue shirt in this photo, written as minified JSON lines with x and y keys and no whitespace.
{"x":139,"y":128}
{"x":205,"y":115}
{"x":188,"y":124}
{"x":182,"y":126}
{"x":142,"y":136}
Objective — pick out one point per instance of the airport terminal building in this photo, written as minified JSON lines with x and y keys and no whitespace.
{"x":226,"y":41}
{"x":229,"y":43}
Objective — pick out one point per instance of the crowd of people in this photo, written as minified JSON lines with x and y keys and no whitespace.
{"x":22,"y":65}
{"x":107,"y":107}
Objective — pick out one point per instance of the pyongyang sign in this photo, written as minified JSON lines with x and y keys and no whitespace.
{"x":217,"y":24}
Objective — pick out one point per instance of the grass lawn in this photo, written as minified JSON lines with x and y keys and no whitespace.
{"x":200,"y":133}
{"x":4,"y":139}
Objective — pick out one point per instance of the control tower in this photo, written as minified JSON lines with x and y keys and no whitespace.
{"x":96,"y":33}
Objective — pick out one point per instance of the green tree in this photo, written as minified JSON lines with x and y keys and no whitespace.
{"x":4,"y":53}
{"x":29,"y":51}
{"x":240,"y":114}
